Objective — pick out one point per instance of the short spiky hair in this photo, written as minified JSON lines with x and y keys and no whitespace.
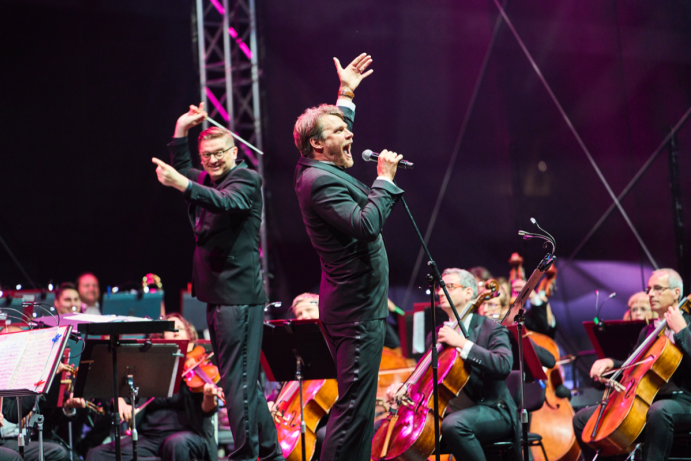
{"x":214,"y":133}
{"x":308,"y":126}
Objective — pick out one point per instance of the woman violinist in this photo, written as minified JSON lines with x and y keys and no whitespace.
{"x":672,"y":403}
{"x":173,"y":428}
{"x":484,"y":411}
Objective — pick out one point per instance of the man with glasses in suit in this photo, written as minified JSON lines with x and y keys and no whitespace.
{"x":672,"y":404}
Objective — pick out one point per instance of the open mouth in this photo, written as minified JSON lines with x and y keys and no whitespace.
{"x":346,"y":150}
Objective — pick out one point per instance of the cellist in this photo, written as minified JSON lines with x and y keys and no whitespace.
{"x":672,"y":404}
{"x":484,"y":411}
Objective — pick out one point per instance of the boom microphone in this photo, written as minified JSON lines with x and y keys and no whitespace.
{"x":369,"y":156}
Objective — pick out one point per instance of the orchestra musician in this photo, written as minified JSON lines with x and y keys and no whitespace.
{"x":344,"y":220}
{"x":484,"y":411}
{"x":67,"y":300}
{"x":538,"y":316}
{"x":639,"y":307}
{"x":225,"y":206}
{"x":172,"y":428}
{"x":496,"y":309}
{"x":89,"y":293}
{"x":672,"y":404}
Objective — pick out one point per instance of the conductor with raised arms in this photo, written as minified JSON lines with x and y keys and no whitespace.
{"x":225,"y":204}
{"x":344,"y":220}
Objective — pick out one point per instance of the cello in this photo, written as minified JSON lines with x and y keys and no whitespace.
{"x":319,"y":395}
{"x":408,"y":432}
{"x":614,"y":428}
{"x":554,"y":420}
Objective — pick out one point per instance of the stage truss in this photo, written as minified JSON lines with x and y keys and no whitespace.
{"x":229,"y":80}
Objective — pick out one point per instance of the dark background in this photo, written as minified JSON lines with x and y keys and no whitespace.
{"x":92,"y":89}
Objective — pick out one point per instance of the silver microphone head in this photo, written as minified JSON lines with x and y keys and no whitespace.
{"x":366,"y":155}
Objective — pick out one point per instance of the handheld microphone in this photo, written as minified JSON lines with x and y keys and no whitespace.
{"x":369,"y":156}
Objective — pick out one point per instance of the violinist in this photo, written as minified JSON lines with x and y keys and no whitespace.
{"x":484,"y":411}
{"x":173,"y":428}
{"x":672,"y":404}
{"x":639,"y":308}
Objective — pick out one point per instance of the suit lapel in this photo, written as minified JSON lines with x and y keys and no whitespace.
{"x":475,"y":327}
{"x":308,"y":162}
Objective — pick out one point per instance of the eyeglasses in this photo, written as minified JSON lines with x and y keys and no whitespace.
{"x":217,"y":155}
{"x":450,"y":287}
{"x":656,"y":289}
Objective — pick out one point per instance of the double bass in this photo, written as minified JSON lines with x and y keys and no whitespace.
{"x":408,"y":432}
{"x":614,"y":428}
{"x":554,"y":420}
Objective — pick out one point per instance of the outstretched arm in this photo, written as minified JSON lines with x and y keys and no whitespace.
{"x":353,"y":74}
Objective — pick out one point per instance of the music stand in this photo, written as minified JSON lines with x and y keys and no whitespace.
{"x":114,"y":329}
{"x":530,"y":357}
{"x":155,"y":365}
{"x":614,"y":338}
{"x":296,"y":350}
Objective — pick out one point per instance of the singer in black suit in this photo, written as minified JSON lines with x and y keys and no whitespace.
{"x":225,"y":204}
{"x":344,"y":220}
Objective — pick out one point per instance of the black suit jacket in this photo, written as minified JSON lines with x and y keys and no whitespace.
{"x":536,"y":320}
{"x":344,"y":220}
{"x":491,"y":359}
{"x":681,"y":379}
{"x":225,"y":218}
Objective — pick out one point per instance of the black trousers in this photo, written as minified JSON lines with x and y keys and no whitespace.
{"x":170,"y":446}
{"x":464,"y":431}
{"x":356,"y":348}
{"x":659,"y":428}
{"x":236,"y":336}
{"x":51,"y":451}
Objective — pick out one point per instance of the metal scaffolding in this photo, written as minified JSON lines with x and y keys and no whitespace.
{"x":229,"y":80}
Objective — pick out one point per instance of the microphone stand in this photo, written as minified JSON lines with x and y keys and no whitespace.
{"x":434,"y":277}
{"x":517,"y":315}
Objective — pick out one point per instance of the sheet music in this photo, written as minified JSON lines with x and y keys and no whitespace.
{"x":27,"y":358}
{"x":32,"y":368}
{"x":91,"y":318}
{"x":12,"y":348}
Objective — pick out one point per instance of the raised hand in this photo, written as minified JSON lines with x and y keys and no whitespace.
{"x":193,"y":117}
{"x":168,"y":176}
{"x":355,"y":72}
{"x":387,"y":164}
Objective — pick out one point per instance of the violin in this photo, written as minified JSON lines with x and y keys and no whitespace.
{"x":613,"y":429}
{"x":554,"y":420}
{"x":408,"y":432}
{"x":199,"y":371}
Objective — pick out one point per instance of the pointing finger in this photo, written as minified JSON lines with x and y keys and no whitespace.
{"x":158,"y":162}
